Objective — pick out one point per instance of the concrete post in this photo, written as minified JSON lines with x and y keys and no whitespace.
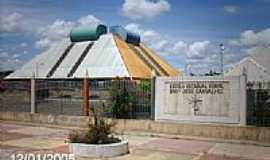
{"x":153,"y":81}
{"x":33,"y":96}
{"x":86,"y":95}
{"x":243,"y":96}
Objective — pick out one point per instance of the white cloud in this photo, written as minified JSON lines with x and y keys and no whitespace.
{"x":155,"y":41}
{"x":230,"y":8}
{"x":9,"y":61}
{"x":151,"y":37}
{"x":195,"y":50}
{"x":148,"y":36}
{"x":15,"y":56}
{"x":198,"y":50}
{"x":42,"y":43}
{"x":139,"y":9}
{"x":23,"y":45}
{"x":200,"y":55}
{"x":252,"y":38}
{"x":133,"y":27}
{"x":25,"y":52}
{"x":248,"y":42}
{"x":3,"y":55}
{"x":11,"y":22}
{"x":230,"y":58}
{"x":163,"y":44}
{"x":60,"y":30}
{"x":89,"y":20}
{"x":55,"y":32}
{"x":12,"y":56}
{"x":180,"y":47}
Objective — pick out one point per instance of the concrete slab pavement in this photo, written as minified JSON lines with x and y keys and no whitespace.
{"x":244,"y":151}
{"x":26,"y":138}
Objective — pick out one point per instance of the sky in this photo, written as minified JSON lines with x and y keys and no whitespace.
{"x":186,"y":33}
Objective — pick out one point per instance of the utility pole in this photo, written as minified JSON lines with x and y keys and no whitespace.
{"x":222,"y":48}
{"x":36,"y":73}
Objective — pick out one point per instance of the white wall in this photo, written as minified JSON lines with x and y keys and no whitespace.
{"x":201,"y":99}
{"x":253,"y":70}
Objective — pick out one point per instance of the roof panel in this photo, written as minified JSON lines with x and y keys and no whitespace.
{"x":70,"y":60}
{"x":108,"y":57}
{"x":135,"y":66}
{"x":41,"y":64}
{"x":262,"y":56}
{"x":103,"y":60}
{"x":168,"y":68}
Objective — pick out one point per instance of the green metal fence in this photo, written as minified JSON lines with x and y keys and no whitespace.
{"x":122,"y":98}
{"x":59,"y":97}
{"x":65,"y":97}
{"x":258,"y":103}
{"x":15,"y":96}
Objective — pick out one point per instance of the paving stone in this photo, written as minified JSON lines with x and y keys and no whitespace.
{"x":61,"y":149}
{"x":244,"y":151}
{"x":147,"y":155}
{"x":35,"y":143}
{"x":218,"y":157}
{"x":139,"y":154}
{"x":44,"y":140}
{"x":38,"y":131}
{"x":8,"y":127}
{"x":5,"y":136}
{"x":178,"y":146}
{"x":138,"y":140}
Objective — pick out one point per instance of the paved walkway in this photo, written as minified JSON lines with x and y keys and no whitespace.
{"x":21,"y":138}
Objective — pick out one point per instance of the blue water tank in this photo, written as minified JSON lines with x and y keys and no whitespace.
{"x":119,"y":31}
{"x":125,"y":35}
{"x":133,"y":38}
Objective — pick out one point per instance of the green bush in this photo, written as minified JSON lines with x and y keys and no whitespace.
{"x":145,"y":85}
{"x":99,"y":131}
{"x":121,"y":99}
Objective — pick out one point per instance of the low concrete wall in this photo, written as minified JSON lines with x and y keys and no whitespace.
{"x":63,"y":120}
{"x":235,"y":132}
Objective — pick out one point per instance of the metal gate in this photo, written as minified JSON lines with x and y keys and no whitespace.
{"x":59,"y":97}
{"x":258,"y":103}
{"x":114,"y":94}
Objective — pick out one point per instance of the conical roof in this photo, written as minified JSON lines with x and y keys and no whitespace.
{"x":107,"y":57}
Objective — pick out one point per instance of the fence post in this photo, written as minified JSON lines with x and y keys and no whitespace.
{"x":86,"y":95}
{"x":243,"y":104}
{"x":153,"y":81}
{"x":33,"y":96}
